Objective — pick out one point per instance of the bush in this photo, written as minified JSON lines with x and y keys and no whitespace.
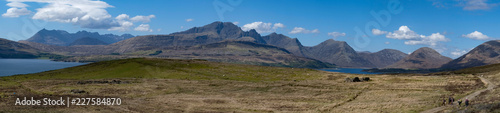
{"x":356,"y":79}
{"x":366,"y":78}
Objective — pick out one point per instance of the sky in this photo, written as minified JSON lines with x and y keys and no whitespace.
{"x":451,"y":27}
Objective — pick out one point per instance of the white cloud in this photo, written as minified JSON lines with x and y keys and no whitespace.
{"x":16,"y":12}
{"x":336,"y":34}
{"x":404,"y":33}
{"x":17,"y":4}
{"x":85,"y":13}
{"x":262,"y":27}
{"x":387,"y":42}
{"x":144,"y":19}
{"x":122,"y":17}
{"x":378,"y":32}
{"x":428,"y":40}
{"x":236,"y":23}
{"x":458,"y":52}
{"x":189,"y":20}
{"x":124,"y":26}
{"x":412,"y":38}
{"x":297,"y":30}
{"x":143,"y":27}
{"x":477,"y":5}
{"x":476,"y":35}
{"x":278,"y":25}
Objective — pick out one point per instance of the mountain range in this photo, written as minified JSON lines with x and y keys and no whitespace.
{"x":63,"y":38}
{"x":226,"y":42}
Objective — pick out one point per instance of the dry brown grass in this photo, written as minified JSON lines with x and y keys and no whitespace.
{"x":329,"y":93}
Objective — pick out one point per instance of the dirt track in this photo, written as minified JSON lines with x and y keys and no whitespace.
{"x":489,"y":85}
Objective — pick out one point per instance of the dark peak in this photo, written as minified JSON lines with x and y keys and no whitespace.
{"x":213,"y":27}
{"x":219,"y":24}
{"x":389,"y":51}
{"x":425,"y":49}
{"x":493,"y":42}
{"x":52,"y":31}
{"x":274,"y":34}
{"x":86,"y":32}
{"x":127,"y":35}
{"x":253,"y":31}
{"x":331,"y":41}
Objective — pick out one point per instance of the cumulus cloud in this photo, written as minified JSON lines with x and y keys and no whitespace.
{"x":16,"y":12}
{"x":297,"y":30}
{"x":143,"y":27}
{"x":476,"y":35}
{"x":403,"y":33}
{"x":189,"y":20}
{"x":17,"y":4}
{"x":144,"y":19}
{"x":124,"y":26}
{"x":428,"y":40}
{"x":262,"y":27}
{"x":336,"y":34}
{"x":85,"y":13}
{"x":477,"y":5}
{"x":458,"y":52}
{"x":122,"y":17}
{"x":378,"y":32}
{"x":412,"y":38}
{"x":278,"y":25}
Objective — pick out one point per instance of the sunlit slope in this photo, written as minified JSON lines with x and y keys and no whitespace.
{"x":173,"y":69}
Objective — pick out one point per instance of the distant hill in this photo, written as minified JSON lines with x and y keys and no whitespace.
{"x":63,"y":38}
{"x":384,"y":57}
{"x":423,"y":58}
{"x":484,"y":54}
{"x":11,"y":49}
{"x":337,"y":52}
{"x":331,"y":51}
{"x":291,"y":44}
{"x":87,"y":41}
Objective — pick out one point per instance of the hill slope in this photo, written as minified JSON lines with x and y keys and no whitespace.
{"x":423,"y":58}
{"x":484,"y":54}
{"x":282,"y":41}
{"x":338,"y":53}
{"x":384,"y":57}
{"x":11,"y":49}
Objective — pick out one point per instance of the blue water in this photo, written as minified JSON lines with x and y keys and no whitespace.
{"x":10,"y":67}
{"x":348,"y":70}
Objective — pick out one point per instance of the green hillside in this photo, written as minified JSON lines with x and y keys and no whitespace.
{"x":172,"y":69}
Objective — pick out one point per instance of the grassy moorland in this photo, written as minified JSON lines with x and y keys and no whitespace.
{"x":159,"y":85}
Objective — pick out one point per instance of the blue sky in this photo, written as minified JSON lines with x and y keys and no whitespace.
{"x":452,"y":27}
